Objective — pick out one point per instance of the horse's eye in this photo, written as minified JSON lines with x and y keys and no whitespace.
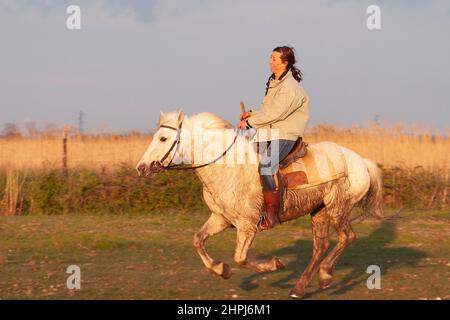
{"x":162,"y":139}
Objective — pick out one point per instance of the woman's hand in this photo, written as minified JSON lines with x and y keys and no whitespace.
{"x":246,"y":115}
{"x":242,"y":124}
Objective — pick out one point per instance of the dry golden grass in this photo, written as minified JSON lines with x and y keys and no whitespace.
{"x":83,"y":152}
{"x":388,"y":146}
{"x":11,"y":203}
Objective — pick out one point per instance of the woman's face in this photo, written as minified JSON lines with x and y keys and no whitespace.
{"x":277,"y":66}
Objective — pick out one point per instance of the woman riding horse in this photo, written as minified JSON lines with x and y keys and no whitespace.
{"x":280,"y":121}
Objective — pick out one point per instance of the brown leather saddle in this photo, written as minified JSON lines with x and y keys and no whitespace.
{"x":298,"y":150}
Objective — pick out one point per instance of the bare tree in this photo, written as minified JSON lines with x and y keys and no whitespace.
{"x":11,"y":130}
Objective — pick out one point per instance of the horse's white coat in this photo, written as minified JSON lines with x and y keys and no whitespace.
{"x":232,"y":190}
{"x":234,"y":195}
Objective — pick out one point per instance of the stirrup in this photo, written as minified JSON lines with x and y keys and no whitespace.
{"x":262,"y":217}
{"x":261,"y":220}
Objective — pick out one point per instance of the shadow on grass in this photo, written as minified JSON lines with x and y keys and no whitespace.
{"x":373,"y":249}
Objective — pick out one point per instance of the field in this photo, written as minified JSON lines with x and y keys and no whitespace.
{"x":132,"y":237}
{"x":388,"y":145}
{"x":152,"y":257}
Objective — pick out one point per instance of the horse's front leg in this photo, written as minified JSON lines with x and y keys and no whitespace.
{"x":215,"y":224}
{"x":245,"y":238}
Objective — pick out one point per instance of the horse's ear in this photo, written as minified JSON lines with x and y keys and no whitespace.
{"x":161,"y":114}
{"x":180,"y":116}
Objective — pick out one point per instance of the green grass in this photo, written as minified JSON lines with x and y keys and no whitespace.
{"x":121,"y":191}
{"x":152,"y":257}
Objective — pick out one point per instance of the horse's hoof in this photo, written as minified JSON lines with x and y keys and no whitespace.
{"x":325,"y":283}
{"x":278,"y":263}
{"x":296,"y":293}
{"x":226,"y":273}
{"x":221,"y":269}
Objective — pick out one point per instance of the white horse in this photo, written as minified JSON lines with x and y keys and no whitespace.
{"x":233,"y":193}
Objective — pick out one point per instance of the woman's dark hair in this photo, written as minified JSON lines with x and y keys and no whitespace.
{"x":287,"y":55}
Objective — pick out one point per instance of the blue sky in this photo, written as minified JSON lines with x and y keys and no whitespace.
{"x":133,"y":58}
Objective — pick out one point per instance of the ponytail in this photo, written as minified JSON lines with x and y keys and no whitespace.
{"x":296,"y":73}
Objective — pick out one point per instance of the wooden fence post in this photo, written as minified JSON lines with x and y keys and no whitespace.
{"x":64,"y":156}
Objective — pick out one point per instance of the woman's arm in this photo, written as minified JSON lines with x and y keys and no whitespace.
{"x":272,"y":110}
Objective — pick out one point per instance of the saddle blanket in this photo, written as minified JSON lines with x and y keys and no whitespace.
{"x":323,"y":162}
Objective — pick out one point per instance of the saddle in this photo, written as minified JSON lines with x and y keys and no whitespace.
{"x":299,"y":150}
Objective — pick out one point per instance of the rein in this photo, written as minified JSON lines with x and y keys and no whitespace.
{"x":177,"y":144}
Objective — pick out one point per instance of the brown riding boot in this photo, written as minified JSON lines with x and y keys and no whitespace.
{"x":272,"y":201}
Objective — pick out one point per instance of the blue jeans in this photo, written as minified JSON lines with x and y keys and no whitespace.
{"x":272,"y":152}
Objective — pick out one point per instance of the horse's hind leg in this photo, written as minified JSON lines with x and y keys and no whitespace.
{"x":245,"y":238}
{"x":345,"y":237}
{"x":320,"y":227}
{"x":215,"y":224}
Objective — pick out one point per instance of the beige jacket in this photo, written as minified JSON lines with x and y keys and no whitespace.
{"x":285,"y":107}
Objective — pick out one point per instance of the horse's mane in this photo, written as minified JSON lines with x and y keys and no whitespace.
{"x":211,"y":121}
{"x":204,"y":120}
{"x":207,"y":120}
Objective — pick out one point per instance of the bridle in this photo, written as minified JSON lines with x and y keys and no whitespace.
{"x":176,"y":145}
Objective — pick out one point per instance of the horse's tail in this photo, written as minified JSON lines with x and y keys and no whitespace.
{"x":373,"y":201}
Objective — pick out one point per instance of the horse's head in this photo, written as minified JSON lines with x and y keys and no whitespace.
{"x":164,"y":145}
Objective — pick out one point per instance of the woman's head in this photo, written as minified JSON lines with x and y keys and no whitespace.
{"x":282,"y":59}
